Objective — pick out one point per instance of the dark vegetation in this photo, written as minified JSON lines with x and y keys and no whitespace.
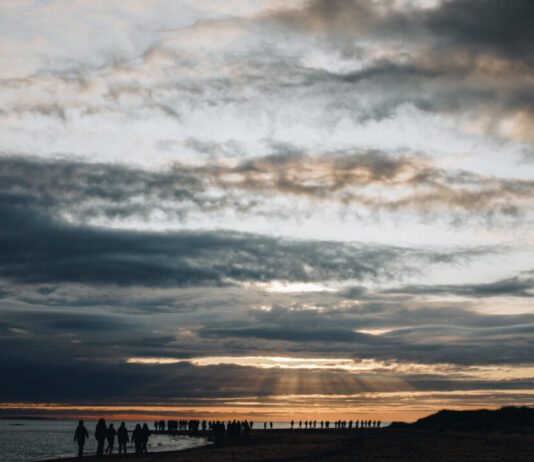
{"x":507,"y":419}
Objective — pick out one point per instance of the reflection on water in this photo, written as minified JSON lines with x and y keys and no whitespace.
{"x":24,"y":440}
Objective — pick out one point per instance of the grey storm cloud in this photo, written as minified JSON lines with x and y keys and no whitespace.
{"x":462,"y":56}
{"x":40,"y":338}
{"x":85,"y":191}
{"x":120,"y":383}
{"x":287,"y":334}
{"x":487,"y":26}
{"x":443,"y":334}
{"x":62,"y":379}
{"x":518,"y":286}
{"x":39,"y":248}
{"x":475,"y":26}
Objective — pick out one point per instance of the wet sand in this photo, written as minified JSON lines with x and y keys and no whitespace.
{"x":369,"y":445}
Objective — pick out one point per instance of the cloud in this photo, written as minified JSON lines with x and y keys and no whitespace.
{"x":490,"y":27}
{"x":448,"y":63}
{"x":39,"y":248}
{"x":472,"y":26}
{"x":119,"y":383}
{"x":266,"y":186}
{"x":518,"y":286}
{"x":287,"y":334}
{"x":460,"y":57}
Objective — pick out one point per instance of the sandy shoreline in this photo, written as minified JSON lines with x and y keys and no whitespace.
{"x":371,"y":445}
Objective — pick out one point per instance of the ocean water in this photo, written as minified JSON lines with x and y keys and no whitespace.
{"x":25,"y":440}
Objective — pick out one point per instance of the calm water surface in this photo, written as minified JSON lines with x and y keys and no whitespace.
{"x":27,"y":440}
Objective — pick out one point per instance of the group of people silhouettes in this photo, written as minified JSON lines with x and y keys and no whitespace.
{"x":232,"y":430}
{"x":191,"y":425}
{"x":105,"y":433}
{"x":309,"y":424}
{"x":220,"y":430}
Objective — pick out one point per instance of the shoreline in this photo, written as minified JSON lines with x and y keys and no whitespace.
{"x":344,"y":445}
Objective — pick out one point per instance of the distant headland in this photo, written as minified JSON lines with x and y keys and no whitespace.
{"x":507,"y":419}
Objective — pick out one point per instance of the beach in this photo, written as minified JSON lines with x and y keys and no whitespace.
{"x":370,"y":445}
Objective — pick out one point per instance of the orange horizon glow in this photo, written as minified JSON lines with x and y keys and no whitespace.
{"x":409,"y":417}
{"x":400,"y":411}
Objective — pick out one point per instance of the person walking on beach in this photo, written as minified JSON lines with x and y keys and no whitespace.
{"x":145,"y":433}
{"x":137,"y":438}
{"x":80,"y":436}
{"x":122,"y":437}
{"x":110,"y":436}
{"x":100,"y":435}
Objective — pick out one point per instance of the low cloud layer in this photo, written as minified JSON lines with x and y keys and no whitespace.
{"x":273,"y":185}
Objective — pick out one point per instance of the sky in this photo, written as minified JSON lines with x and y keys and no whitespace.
{"x":266,"y":209}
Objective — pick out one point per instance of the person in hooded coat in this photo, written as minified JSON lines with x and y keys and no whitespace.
{"x":100,"y":435}
{"x":110,"y":436}
{"x":122,"y":437}
{"x":145,"y":432}
{"x":137,"y":438}
{"x":80,"y":435}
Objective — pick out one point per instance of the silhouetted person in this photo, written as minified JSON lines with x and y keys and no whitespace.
{"x":292,"y":423}
{"x":271,"y":425}
{"x":137,"y":438}
{"x":80,"y":436}
{"x":110,"y":436}
{"x":122,"y":437}
{"x":218,"y":432}
{"x":145,"y":432}
{"x":100,"y":435}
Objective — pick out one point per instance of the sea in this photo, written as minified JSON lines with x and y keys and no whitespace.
{"x":27,"y":440}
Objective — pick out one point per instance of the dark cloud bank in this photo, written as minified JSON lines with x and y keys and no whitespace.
{"x":476,"y":26}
